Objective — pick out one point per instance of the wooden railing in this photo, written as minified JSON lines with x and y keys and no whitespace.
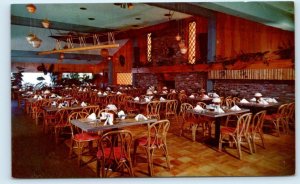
{"x":254,"y":74}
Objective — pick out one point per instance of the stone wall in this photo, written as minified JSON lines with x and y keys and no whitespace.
{"x":144,"y":80}
{"x":191,"y":82}
{"x":283,"y":90}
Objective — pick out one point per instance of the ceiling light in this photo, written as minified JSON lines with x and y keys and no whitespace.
{"x":31,"y":8}
{"x":83,"y":8}
{"x":91,"y":18}
{"x":46,"y":23}
{"x":29,"y":37}
{"x":36,"y":42}
{"x":137,"y":18}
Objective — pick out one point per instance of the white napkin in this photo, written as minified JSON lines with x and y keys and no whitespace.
{"x":198,"y":108}
{"x":40,"y":98}
{"x":104,"y":94}
{"x":219,"y":110}
{"x":253,"y":99}
{"x":149,"y":92}
{"x":80,"y":89}
{"x":53,"y":96}
{"x":191,"y":96}
{"x":274,"y":100}
{"x":92,"y":116}
{"x":215,"y":95}
{"x":54,"y":103}
{"x":99,"y":93}
{"x":118,"y":93}
{"x":111,"y":107}
{"x":154,"y":91}
{"x":136,"y":98}
{"x":244,"y":101}
{"x":140,"y":117}
{"x":60,"y":105}
{"x":110,"y":119}
{"x":147,"y":100}
{"x":235,"y":108}
{"x":164,"y":88}
{"x":35,"y":97}
{"x":108,"y":89}
{"x":46,"y":92}
{"x":83,"y":104}
{"x":205,"y":97}
{"x":165,"y":92}
{"x":162,"y":99}
{"x":173,"y":91}
{"x":263,"y":102}
{"x":95,"y":90}
{"x":121,"y":114}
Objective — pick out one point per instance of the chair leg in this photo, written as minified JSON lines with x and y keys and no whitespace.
{"x":194,"y":129}
{"x":261,"y":134}
{"x":71,"y":148}
{"x":165,"y":149}
{"x":239,"y":150}
{"x":150,"y":161}
{"x":249,"y":143}
{"x":220,"y":143}
{"x":134,"y":152}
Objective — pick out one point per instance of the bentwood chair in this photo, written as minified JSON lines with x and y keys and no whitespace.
{"x":256,"y":128}
{"x":155,"y":139}
{"x":80,"y":140}
{"x":114,"y":153}
{"x":237,"y":135}
{"x":61,"y":125}
{"x":278,"y":119}
{"x":171,"y":109}
{"x":189,"y":120}
{"x":291,"y":115}
{"x":153,"y":109}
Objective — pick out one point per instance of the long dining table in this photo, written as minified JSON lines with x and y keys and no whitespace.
{"x":218,"y":118}
{"x":89,"y":125}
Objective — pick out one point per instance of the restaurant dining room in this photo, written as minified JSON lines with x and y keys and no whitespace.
{"x":152,"y":90}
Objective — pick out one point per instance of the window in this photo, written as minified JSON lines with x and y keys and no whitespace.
{"x":192,"y":42}
{"x":149,"y":47}
{"x":77,"y":75}
{"x":32,"y":78}
{"x":124,"y":78}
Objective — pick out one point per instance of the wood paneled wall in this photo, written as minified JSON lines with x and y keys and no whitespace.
{"x":236,"y":35}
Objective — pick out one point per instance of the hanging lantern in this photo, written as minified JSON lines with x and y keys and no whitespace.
{"x":31,"y":8}
{"x":181,"y":44}
{"x":183,"y":50}
{"x":178,"y":37}
{"x":46,"y":23}
{"x":61,"y":56}
{"x":36,"y":42}
{"x":104,"y":53}
{"x":30,"y":37}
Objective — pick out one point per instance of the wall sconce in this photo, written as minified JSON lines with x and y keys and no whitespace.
{"x":31,"y":8}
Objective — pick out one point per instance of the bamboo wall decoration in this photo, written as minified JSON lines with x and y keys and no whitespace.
{"x":254,"y":74}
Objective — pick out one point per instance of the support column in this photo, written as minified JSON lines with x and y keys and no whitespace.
{"x":110,"y":73}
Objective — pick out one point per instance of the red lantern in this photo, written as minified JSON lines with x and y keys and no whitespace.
{"x":31,"y":8}
{"x":104,"y":53}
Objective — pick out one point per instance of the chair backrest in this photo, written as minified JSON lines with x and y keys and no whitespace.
{"x":202,"y":104}
{"x":171,"y":107}
{"x":229,"y":102}
{"x":186,"y":110}
{"x":61,"y":116}
{"x":236,"y":99}
{"x":283,"y":110}
{"x":291,"y":111}
{"x":153,"y":109}
{"x":91,"y":109}
{"x":76,"y":115}
{"x":182,"y":98}
{"x":243,"y":123}
{"x":172,"y":96}
{"x":258,"y":121}
{"x":157,"y":133}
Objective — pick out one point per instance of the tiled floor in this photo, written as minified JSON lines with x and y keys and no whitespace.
{"x":187,"y":158}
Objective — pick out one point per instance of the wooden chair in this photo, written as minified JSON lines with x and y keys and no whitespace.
{"x":237,"y":135}
{"x":153,"y":109}
{"x":279,"y":119}
{"x":130,"y":107}
{"x":80,"y":140}
{"x":91,"y":109}
{"x":114,"y":153}
{"x":172,"y":96}
{"x":256,"y":128}
{"x":291,"y":115}
{"x":61,"y":125}
{"x":205,"y":122}
{"x":171,"y":109}
{"x":189,"y":120}
{"x":155,"y":139}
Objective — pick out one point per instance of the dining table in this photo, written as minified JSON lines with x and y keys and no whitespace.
{"x":97,"y":125}
{"x":218,"y":119}
{"x":254,"y":107}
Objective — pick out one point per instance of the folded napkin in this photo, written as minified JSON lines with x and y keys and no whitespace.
{"x":154,"y":91}
{"x":104,"y":94}
{"x":271,"y":100}
{"x":165,"y":92}
{"x":118,"y":93}
{"x":83,"y":104}
{"x":253,"y":99}
{"x":40,"y":98}
{"x":147,"y":99}
{"x":149,"y":92}
{"x":59,"y":97}
{"x":198,"y":108}
{"x":108,"y":89}
{"x":46,"y":92}
{"x":191,"y":96}
{"x":121,"y":87}
{"x":219,"y":110}
{"x":136,"y":98}
{"x":95,"y":90}
{"x":99,"y":93}
{"x":110,"y":119}
{"x":60,"y":105}
{"x":173,"y":91}
{"x":274,"y":100}
{"x":53,"y":96}
{"x":80,"y":89}
{"x":111,"y":107}
{"x":164,"y":88}
{"x":235,"y":108}
{"x":244,"y":101}
{"x":92,"y":116}
{"x":140,"y":117}
{"x":54,"y":103}
{"x":121,"y":114}
{"x":162,"y":99}
{"x":263,"y":102}
{"x":205,"y":97}
{"x":35,"y":97}
{"x":215,"y":95}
